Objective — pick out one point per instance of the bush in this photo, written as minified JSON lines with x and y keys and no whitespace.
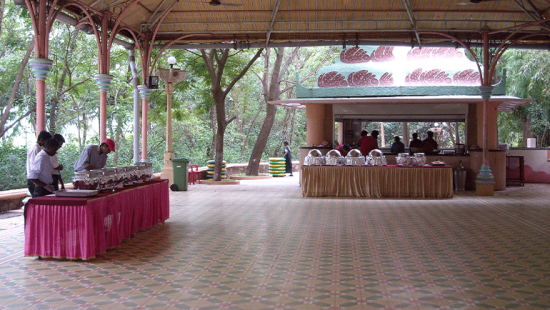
{"x":13,"y":171}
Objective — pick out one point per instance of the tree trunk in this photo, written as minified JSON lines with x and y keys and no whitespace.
{"x":57,"y":101}
{"x":5,"y":113}
{"x":212,"y":149}
{"x":526,"y":122}
{"x":215,"y":63}
{"x":272,"y":93}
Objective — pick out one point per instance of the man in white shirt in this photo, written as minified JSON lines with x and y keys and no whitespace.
{"x":43,"y":136}
{"x":41,"y":170}
{"x":57,"y":167}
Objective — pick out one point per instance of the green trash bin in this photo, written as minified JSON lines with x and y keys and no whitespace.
{"x":180,"y":174}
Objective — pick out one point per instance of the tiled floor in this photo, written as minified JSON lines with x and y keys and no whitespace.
{"x":261,"y":245}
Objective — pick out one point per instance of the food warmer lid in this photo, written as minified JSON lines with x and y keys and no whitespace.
{"x":376,"y":153}
{"x":333,"y":154}
{"x":315,"y":153}
{"x":354,"y":153}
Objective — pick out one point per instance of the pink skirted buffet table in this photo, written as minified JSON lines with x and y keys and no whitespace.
{"x":377,"y":182}
{"x":81,"y":228}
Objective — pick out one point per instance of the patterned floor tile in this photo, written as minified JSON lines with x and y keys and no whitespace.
{"x":261,"y":245}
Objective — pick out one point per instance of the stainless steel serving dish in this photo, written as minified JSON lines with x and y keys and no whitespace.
{"x":355,"y":158}
{"x":315,"y":158}
{"x":334,"y":158}
{"x":376,"y":158}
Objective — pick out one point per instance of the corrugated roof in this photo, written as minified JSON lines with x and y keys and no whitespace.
{"x":319,"y":22}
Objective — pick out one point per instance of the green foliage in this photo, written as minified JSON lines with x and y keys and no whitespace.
{"x":12,"y":166}
{"x":444,"y":132}
{"x":528,"y":77}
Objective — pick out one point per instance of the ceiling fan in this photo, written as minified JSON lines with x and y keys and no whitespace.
{"x":218,"y":2}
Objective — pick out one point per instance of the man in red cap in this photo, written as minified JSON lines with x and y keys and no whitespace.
{"x":94,"y":156}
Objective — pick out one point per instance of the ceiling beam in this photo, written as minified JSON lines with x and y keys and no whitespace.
{"x":533,"y":14}
{"x":272,"y":23}
{"x":345,"y":22}
{"x":233,"y":45}
{"x":465,"y":12}
{"x":410,"y":12}
{"x":154,"y":18}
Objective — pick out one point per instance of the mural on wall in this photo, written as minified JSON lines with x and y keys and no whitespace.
{"x":359,"y":55}
{"x":373,"y":66}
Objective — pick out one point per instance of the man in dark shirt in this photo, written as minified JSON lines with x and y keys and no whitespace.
{"x":416,"y":144}
{"x":397,"y":147}
{"x":429,"y":144}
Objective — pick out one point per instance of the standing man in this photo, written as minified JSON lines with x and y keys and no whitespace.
{"x":57,"y":167}
{"x":41,"y":170}
{"x":369,"y":143}
{"x":429,"y":144}
{"x":94,"y":156}
{"x":43,"y":136}
{"x":397,"y":147}
{"x":415,"y":146}
{"x":288,"y":158}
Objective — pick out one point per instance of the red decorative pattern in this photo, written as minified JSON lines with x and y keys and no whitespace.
{"x":439,"y":77}
{"x":383,"y":54}
{"x":362,"y":78}
{"x":428,"y":52}
{"x":467,"y":77}
{"x":358,"y":55}
{"x":386,"y":79}
{"x":354,"y":55}
{"x":332,"y":79}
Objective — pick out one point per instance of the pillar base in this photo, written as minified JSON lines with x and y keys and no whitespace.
{"x":168,"y":169}
{"x":485,"y":189}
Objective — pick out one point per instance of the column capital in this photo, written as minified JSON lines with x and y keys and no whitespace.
{"x":144,"y":91}
{"x":486,"y":91}
{"x":40,"y":67}
{"x":103,"y":81}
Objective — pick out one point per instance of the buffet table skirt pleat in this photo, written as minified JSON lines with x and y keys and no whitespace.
{"x":55,"y":228}
{"x":377,"y":182}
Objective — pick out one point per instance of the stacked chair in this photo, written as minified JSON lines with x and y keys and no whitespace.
{"x":277,"y":166}
{"x":211,"y":165}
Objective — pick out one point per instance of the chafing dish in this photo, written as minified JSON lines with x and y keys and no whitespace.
{"x":87,"y":180}
{"x":334,"y":158}
{"x":376,"y":158}
{"x":355,"y":158}
{"x":314,"y":158}
{"x":402,"y":159}
{"x":107,"y":180}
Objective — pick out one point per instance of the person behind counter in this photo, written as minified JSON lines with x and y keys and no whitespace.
{"x":416,"y":144}
{"x":368,"y":143}
{"x":429,"y":144}
{"x":41,"y":170}
{"x":343,"y":149}
{"x":397,"y":146}
{"x":57,"y":167}
{"x":43,"y":137}
{"x":94,"y":156}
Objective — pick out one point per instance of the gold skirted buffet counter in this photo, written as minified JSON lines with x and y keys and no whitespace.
{"x":377,"y":182}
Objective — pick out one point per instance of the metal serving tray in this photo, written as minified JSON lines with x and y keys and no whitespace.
{"x":75,"y":193}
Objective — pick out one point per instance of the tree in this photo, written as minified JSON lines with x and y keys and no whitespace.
{"x":216,"y":61}
{"x":16,"y":50}
{"x":272,"y":90}
{"x":529,"y":77}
